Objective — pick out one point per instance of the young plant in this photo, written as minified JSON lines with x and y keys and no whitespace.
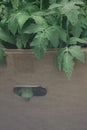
{"x":42,"y":24}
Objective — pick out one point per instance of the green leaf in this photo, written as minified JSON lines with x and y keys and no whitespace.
{"x":67,"y":7}
{"x":77,"y":29}
{"x":74,"y":40}
{"x":54,"y":39}
{"x":39,"y":45}
{"x":71,"y":11}
{"x":30,"y":7}
{"x":12,"y":24}
{"x":22,"y":40}
{"x":1,"y":46}
{"x":59,"y":58}
{"x":73,"y":17}
{"x":84,"y":41}
{"x":6,"y":36}
{"x":26,"y":93}
{"x":70,"y":5}
{"x":40,"y":48}
{"x":19,"y":43}
{"x":62,"y":34}
{"x":22,"y":17}
{"x":52,"y":36}
{"x":33,"y":28}
{"x":39,"y":20}
{"x":54,"y":33}
{"x":39,"y":51}
{"x":52,"y":1}
{"x":55,"y":5}
{"x":68,"y":64}
{"x":2,"y":54}
{"x":76,"y":52}
{"x":85,"y":38}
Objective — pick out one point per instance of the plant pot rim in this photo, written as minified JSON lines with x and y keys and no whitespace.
{"x":30,"y":51}
{"x":27,"y":51}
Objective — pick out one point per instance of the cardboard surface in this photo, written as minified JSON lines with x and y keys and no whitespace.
{"x":63,"y":108}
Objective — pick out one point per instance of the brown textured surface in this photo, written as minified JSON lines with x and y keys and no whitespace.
{"x":63,"y":108}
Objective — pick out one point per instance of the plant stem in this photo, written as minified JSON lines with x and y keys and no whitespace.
{"x":41,"y":4}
